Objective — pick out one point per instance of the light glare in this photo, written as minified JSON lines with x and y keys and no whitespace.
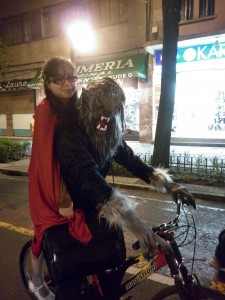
{"x":81,"y":36}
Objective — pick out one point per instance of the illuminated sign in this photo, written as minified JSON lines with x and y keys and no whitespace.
{"x":119,"y":68}
{"x":196,"y":53}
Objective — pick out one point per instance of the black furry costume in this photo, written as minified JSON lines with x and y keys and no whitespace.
{"x":85,"y":146}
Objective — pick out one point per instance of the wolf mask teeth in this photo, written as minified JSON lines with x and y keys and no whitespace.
{"x":102,"y":125}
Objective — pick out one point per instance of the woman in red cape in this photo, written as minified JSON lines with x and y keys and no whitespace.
{"x":44,"y":172}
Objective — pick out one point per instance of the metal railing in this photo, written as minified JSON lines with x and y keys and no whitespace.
{"x":186,"y":163}
{"x":192,"y":164}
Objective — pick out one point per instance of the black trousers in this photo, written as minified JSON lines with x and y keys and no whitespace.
{"x":220,"y":250}
{"x":71,"y":290}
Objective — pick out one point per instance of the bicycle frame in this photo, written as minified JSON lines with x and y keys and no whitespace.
{"x":160,"y":260}
{"x":148,"y":269}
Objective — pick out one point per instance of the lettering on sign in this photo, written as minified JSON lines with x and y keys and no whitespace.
{"x":196,"y":53}
{"x":105,"y":66}
{"x":14,"y":85}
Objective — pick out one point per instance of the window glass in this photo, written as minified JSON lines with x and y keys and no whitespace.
{"x":186,"y":12}
{"x":52,"y":20}
{"x":206,"y":8}
{"x":107,"y":12}
{"x":26,"y":30}
{"x":7,"y":33}
{"x":16,"y":30}
{"x":35,"y":24}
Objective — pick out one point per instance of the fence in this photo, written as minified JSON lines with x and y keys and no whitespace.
{"x":185,"y":163}
{"x":192,"y":164}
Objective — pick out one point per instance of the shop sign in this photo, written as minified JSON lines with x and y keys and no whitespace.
{"x":36,"y":81}
{"x":15,"y":85}
{"x":119,"y":68}
{"x":196,"y":53}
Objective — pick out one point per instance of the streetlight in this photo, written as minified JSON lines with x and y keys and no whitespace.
{"x":81,"y":37}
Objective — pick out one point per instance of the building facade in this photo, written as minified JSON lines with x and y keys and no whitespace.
{"x":199,"y":112}
{"x":36,"y":31}
{"x":129,"y":35}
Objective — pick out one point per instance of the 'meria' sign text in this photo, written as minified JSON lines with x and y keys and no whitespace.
{"x":117,"y":69}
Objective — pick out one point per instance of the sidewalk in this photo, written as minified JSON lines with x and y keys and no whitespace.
{"x":20,"y":168}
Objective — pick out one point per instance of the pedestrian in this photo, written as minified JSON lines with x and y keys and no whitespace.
{"x":85,"y":147}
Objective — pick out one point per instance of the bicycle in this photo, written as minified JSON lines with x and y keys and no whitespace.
{"x":186,"y":284}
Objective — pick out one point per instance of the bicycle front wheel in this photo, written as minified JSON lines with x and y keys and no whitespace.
{"x":202,"y":293}
{"x":26,"y":268}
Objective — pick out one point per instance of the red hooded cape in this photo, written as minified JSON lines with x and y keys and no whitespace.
{"x":44,"y":183}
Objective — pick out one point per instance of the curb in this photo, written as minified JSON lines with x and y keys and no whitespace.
{"x":199,"y":195}
{"x":14,"y":172}
{"x":209,"y":196}
{"x":196,"y":194}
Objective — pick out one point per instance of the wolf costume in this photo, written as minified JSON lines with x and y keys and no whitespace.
{"x":86,"y":147}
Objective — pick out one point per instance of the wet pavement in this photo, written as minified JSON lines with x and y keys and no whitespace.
{"x":210,"y":193}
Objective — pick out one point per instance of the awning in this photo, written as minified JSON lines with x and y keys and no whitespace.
{"x":36,"y":82}
{"x":116,"y":68}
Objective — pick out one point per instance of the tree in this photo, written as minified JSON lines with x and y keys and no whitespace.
{"x":171,"y":17}
{"x":5,"y":57}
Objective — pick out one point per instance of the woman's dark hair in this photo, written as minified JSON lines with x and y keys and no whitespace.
{"x":50,"y":70}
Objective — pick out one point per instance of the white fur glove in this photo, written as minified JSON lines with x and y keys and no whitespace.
{"x":118,"y":210}
{"x":161,"y":181}
{"x":179,"y":191}
{"x":146,"y":236}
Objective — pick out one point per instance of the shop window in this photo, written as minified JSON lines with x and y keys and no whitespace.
{"x":199,"y":112}
{"x":206,"y":8}
{"x":186,"y":12}
{"x":131,"y":111}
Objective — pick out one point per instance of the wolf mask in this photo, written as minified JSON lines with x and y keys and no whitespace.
{"x":101,"y":114}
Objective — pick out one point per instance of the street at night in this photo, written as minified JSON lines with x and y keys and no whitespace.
{"x":154,"y":208}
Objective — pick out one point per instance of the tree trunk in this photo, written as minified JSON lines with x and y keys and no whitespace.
{"x":171,"y":17}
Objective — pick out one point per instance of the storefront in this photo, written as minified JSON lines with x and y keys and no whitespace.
{"x":130,"y":73}
{"x":18,"y":98}
{"x":17,"y":104}
{"x":199,"y":111}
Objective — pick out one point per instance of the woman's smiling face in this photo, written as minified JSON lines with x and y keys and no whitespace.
{"x":63,"y":84}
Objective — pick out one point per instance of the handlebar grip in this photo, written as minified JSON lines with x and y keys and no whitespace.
{"x":136,"y":245}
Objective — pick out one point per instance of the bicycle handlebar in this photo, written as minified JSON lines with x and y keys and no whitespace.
{"x":169,"y":225}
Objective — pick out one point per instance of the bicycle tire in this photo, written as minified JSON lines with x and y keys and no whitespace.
{"x":26,"y":269}
{"x":171,"y":293}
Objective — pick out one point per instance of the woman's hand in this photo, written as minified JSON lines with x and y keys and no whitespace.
{"x":67,"y":212}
